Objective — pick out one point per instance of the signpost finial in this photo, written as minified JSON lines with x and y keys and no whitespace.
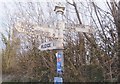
{"x":59,"y":9}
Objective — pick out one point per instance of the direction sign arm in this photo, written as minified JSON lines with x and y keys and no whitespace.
{"x":85,"y":30}
{"x":52,"y":31}
{"x":81,"y":28}
{"x":44,"y":29}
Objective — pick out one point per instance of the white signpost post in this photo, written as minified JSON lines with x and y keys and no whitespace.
{"x":58,"y":34}
{"x":60,"y":58}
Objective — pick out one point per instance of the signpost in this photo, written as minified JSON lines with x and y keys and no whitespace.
{"x":58,"y":43}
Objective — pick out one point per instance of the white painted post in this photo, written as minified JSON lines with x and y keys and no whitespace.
{"x":61,"y":26}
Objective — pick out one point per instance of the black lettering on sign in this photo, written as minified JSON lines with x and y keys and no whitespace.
{"x":42,"y":46}
{"x":46,"y":45}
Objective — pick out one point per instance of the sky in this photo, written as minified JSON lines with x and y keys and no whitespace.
{"x":1,"y":19}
